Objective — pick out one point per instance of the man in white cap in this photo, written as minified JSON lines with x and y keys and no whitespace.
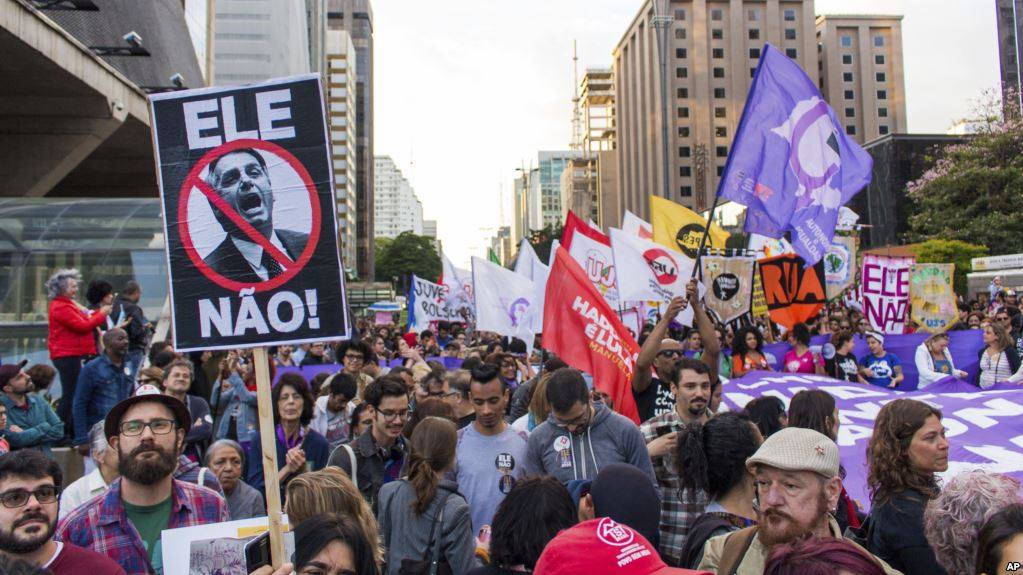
{"x":797,"y":491}
{"x":879,"y":367}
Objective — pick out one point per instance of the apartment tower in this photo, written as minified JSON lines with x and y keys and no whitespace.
{"x":341,"y":105}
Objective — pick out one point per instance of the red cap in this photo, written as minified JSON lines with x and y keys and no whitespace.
{"x":603,"y":546}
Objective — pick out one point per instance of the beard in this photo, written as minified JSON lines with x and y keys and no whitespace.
{"x":146,"y":472}
{"x":22,"y":544}
{"x":772,"y":534}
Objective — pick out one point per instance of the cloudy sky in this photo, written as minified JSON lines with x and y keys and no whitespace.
{"x":469,"y":90}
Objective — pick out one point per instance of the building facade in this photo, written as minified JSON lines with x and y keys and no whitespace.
{"x":582,"y":190}
{"x":397,"y":209}
{"x":256,"y":41}
{"x":861,"y":73}
{"x":341,"y":105}
{"x":1010,"y":52}
{"x":545,"y":204}
{"x":356,"y":18}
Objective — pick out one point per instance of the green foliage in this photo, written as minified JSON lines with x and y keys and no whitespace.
{"x":974,"y":191}
{"x":541,"y":241}
{"x":951,"y":252}
{"x":406,"y":255}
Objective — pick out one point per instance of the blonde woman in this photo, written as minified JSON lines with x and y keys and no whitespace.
{"x":329,"y":490}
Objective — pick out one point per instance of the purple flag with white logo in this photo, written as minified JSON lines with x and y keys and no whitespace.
{"x":791,"y":164}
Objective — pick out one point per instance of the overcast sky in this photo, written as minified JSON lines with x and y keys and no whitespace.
{"x":469,"y":90}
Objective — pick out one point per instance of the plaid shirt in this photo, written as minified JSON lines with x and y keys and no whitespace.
{"x":676,"y":516}
{"x":102,"y":525}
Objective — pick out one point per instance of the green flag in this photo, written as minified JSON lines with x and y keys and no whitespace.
{"x":492,"y":256}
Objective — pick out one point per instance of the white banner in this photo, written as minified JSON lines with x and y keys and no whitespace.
{"x":650,"y":271}
{"x":460,"y":293}
{"x":505,"y":301}
{"x":528,"y":264}
{"x":427,"y":302}
{"x":884,"y":285}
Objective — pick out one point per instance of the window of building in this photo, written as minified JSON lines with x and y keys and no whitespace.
{"x":719,"y":92}
{"x":684,"y":152}
{"x":850,"y":112}
{"x":879,"y":41}
{"x":683,"y":131}
{"x":721,"y":171}
{"x":681,"y":72}
{"x":754,"y":33}
{"x":718,"y":53}
{"x":847,"y":77}
{"x":849,"y":95}
{"x":719,"y":113}
{"x":792,"y":53}
{"x":752,"y":72}
{"x":753,"y":14}
{"x":719,"y":72}
{"x":846,"y":41}
{"x":721,"y":151}
{"x":681,"y":52}
{"x":686,"y":191}
{"x":683,"y":112}
{"x":851,"y":130}
{"x":754,"y":53}
{"x":882,"y":129}
{"x":680,"y":14}
{"x":882,"y":94}
{"x":680,"y":33}
{"x":880,"y":77}
{"x":879,"y":59}
{"x":721,"y":131}
{"x":790,"y":15}
{"x":682,"y":93}
{"x":717,"y":34}
{"x":716,"y":15}
{"x":847,"y":59}
{"x":790,"y":33}
{"x":882,"y":112}
{"x":685,"y":171}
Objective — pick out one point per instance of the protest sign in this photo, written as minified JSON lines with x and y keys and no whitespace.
{"x":249,"y":216}
{"x":793,"y":293}
{"x":884,"y":288}
{"x":589,"y":335}
{"x":650,"y":272}
{"x":427,"y":302}
{"x":592,"y":250}
{"x":932,"y":298}
{"x":729,"y":286}
{"x":505,"y":301}
{"x":214,"y":548}
{"x":984,"y":428}
{"x":460,"y":290}
{"x":758,"y":305}
{"x":840,"y":265}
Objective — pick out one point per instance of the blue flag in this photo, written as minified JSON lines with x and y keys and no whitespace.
{"x":791,"y":163}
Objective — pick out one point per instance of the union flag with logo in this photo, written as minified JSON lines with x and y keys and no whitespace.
{"x":648,"y":271}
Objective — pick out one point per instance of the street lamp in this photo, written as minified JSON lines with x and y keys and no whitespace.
{"x":662,"y":22}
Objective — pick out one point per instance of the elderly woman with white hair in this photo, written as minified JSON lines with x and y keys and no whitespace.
{"x":70,"y":339}
{"x":95,"y":482}
{"x":226,"y":459}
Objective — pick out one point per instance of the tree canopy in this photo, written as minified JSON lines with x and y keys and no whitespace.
{"x":951,"y":252}
{"x":406,"y":255}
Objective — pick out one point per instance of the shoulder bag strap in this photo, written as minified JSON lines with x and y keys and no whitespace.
{"x":736,"y":545}
{"x":355,"y":464}
{"x":434,"y":547}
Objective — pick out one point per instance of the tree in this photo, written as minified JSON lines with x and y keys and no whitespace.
{"x":973,"y":192}
{"x":541,"y":240}
{"x":951,"y":252}
{"x":406,"y":255}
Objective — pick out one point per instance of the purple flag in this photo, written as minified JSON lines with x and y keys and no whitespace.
{"x":791,"y":163}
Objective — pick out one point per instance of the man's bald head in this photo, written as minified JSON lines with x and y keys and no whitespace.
{"x":669,"y":356}
{"x":115,"y":342}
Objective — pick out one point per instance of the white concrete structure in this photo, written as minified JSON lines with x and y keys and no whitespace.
{"x":256,"y":41}
{"x":396,"y":208}
{"x":339,"y":83}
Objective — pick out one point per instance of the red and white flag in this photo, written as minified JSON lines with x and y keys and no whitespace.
{"x":606,"y":349}
{"x":592,"y":250}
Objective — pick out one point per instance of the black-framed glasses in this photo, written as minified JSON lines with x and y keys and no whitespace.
{"x":19,"y":497}
{"x":157,"y":426}
{"x":354,"y":357}
{"x":671,"y":353}
{"x":391,"y":415}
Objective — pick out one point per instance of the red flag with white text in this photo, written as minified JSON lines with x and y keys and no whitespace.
{"x":588,"y":335}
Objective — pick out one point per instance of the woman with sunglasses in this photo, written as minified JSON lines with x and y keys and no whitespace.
{"x":748,"y":352}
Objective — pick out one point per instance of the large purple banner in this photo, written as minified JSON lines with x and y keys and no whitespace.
{"x":310,"y":371}
{"x":984,"y":428}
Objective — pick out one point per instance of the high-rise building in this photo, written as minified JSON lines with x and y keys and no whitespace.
{"x":711,"y":49}
{"x":397,"y":209}
{"x":200,"y":19}
{"x":430,"y":228}
{"x":316,"y":33}
{"x":256,"y":41}
{"x":341,"y":106}
{"x":525,"y":187}
{"x":861,"y":73}
{"x":356,"y":18}
{"x":1010,"y":51}
{"x":545,"y":205}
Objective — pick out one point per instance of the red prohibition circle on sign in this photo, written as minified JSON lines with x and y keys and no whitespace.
{"x":193,"y":181}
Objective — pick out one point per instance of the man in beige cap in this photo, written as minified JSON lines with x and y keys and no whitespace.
{"x":797,"y":490}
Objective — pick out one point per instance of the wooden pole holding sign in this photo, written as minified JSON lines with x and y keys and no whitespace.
{"x":269,"y":444}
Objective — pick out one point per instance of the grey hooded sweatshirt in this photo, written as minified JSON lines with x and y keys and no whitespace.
{"x":609,"y":438}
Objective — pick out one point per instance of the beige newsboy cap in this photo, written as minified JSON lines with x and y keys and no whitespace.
{"x":797,"y":449}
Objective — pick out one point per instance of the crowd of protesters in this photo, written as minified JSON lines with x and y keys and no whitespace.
{"x":456,"y":451}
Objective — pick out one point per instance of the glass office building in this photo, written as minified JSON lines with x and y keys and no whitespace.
{"x":113,"y":240}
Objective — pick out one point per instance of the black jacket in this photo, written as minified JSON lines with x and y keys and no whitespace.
{"x":896,"y":535}
{"x":227,"y":261}
{"x":1011,"y":355}
{"x":138,"y":336}
{"x":369,"y":460}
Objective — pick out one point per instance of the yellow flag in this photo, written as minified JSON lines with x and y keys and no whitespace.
{"x":681,"y":229}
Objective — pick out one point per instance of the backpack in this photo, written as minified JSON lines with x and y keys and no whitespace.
{"x":737,"y":544}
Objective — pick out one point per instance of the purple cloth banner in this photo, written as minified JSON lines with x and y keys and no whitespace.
{"x":984,"y":428}
{"x":964,"y":346}
{"x":310,"y":371}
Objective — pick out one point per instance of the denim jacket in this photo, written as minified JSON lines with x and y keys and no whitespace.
{"x":101,"y":385}
{"x":239,"y":401}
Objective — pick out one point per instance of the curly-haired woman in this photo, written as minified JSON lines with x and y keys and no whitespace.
{"x":904,"y":455}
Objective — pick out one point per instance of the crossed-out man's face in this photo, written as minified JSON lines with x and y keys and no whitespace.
{"x":242,"y":181}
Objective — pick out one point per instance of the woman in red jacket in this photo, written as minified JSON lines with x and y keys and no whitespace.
{"x":71,"y":340}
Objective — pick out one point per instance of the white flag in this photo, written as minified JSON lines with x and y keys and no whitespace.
{"x":427,"y":302}
{"x":460,"y":292}
{"x":505,"y":301}
{"x":770,"y":247}
{"x":648,"y":271}
{"x":637,"y":226}
{"x":598,"y":263}
{"x":528,"y":264}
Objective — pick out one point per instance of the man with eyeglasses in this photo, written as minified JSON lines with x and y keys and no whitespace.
{"x":797,"y":483}
{"x":148,"y":432}
{"x":353,"y":355}
{"x":102,"y":383}
{"x":29,"y":489}
{"x":377,"y":455}
{"x":31,"y":422}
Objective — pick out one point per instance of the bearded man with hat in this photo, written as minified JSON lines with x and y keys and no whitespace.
{"x":148,"y":431}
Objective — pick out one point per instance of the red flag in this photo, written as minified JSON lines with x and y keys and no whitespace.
{"x":589,"y":335}
{"x":574,"y":224}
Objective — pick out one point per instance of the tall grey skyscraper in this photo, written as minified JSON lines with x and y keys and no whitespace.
{"x":1010,"y":50}
{"x":256,"y":41}
{"x":356,"y":18}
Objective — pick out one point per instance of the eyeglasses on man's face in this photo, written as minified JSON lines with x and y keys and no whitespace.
{"x":19,"y":497}
{"x":389,"y":415}
{"x":157,"y":426}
